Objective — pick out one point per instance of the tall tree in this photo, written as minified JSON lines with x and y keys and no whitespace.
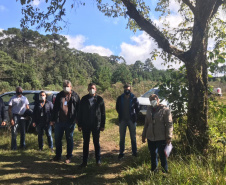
{"x":190,"y":48}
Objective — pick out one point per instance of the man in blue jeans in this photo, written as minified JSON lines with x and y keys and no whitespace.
{"x":17,"y":107}
{"x":65,"y":112}
{"x":127,"y":107}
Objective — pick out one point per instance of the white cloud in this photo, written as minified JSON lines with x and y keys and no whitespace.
{"x":97,"y":49}
{"x":78,"y":42}
{"x":36,"y":2}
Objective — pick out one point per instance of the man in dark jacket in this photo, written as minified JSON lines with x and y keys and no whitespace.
{"x":65,"y":113}
{"x":91,"y":119}
{"x":2,"y":112}
{"x":41,"y":118}
{"x":127,"y":107}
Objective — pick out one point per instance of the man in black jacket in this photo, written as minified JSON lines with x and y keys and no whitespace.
{"x":65,"y":112}
{"x":41,"y":118}
{"x":2,"y":112}
{"x":91,"y":119}
{"x":127,"y":107}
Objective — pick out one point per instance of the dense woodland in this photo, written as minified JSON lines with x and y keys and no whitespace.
{"x":36,"y":61}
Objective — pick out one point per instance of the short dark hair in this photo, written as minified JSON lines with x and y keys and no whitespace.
{"x":127,"y":85}
{"x":91,"y":84}
{"x":42,"y":92}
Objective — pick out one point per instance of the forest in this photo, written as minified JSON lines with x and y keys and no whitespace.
{"x":36,"y":61}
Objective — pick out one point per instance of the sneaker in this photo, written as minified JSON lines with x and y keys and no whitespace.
{"x":40,"y":149}
{"x":120,"y":156}
{"x":98,"y":163}
{"x":56,"y":158}
{"x":83,"y":165}
{"x":68,"y":160}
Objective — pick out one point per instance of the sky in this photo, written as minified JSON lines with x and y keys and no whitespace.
{"x":90,"y":31}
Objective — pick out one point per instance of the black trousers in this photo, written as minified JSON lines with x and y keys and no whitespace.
{"x":86,"y":139}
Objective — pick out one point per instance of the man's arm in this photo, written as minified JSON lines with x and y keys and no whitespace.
{"x":10,"y":115}
{"x":3,"y":113}
{"x":103,"y":116}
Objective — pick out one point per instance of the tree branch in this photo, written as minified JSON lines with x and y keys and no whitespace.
{"x":153,"y":31}
{"x":189,"y":4}
{"x":217,"y":5}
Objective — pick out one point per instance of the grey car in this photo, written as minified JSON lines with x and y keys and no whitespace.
{"x":32,"y":96}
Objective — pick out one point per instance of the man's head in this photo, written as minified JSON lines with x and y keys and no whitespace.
{"x":154,"y":100}
{"x":127,"y":89}
{"x":92,"y":89}
{"x":42,"y":96}
{"x":67,"y":86}
{"x":19,"y":91}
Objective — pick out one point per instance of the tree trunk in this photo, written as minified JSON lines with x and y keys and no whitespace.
{"x":197,"y":123}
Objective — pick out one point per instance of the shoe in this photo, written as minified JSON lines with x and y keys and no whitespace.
{"x":120,"y":156}
{"x":98,"y":163}
{"x":22,"y":147}
{"x":134,"y":154}
{"x":56,"y":158}
{"x":51,"y":150}
{"x":40,"y":149}
{"x":68,"y":160}
{"x":83,"y":165}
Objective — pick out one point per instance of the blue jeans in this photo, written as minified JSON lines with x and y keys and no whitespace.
{"x":86,"y":139}
{"x":60,"y":128}
{"x":122,"y":130}
{"x":21,"y":124}
{"x":155,"y":148}
{"x":48,"y":130}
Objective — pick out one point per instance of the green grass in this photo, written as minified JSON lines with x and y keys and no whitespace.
{"x":31,"y":166}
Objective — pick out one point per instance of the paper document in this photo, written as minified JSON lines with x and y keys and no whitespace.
{"x":168,"y":149}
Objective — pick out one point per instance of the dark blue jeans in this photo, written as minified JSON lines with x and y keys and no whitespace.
{"x":155,"y":148}
{"x":86,"y":139}
{"x":122,"y":130}
{"x":60,"y":128}
{"x":41,"y":127}
{"x":21,"y":124}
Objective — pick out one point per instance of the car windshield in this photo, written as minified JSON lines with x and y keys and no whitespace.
{"x":150,"y":92}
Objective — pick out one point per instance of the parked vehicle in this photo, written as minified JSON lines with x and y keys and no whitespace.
{"x":144,"y":100}
{"x":32,"y":96}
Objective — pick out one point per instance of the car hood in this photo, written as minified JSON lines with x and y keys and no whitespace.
{"x":145,"y":101}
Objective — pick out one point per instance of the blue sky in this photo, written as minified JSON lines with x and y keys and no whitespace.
{"x":90,"y":31}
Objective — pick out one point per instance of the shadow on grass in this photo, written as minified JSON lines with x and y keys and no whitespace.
{"x":29,"y":167}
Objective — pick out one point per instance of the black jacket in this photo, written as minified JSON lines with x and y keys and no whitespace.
{"x":2,"y":110}
{"x":134,"y":107}
{"x":84,"y":112}
{"x":37,"y":112}
{"x":72,"y":109}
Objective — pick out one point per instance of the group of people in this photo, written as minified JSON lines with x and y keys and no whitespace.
{"x":89,"y":115}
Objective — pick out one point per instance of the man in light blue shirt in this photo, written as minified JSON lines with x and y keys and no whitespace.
{"x":17,"y":107}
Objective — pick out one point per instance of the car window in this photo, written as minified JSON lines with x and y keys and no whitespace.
{"x":6,"y":98}
{"x":31,"y":98}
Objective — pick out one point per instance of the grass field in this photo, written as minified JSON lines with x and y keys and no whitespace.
{"x":31,"y":166}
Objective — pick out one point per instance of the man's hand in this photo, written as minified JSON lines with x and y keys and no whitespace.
{"x":12,"y":122}
{"x":52,"y":123}
{"x":34,"y":125}
{"x":143,"y":139}
{"x":3,"y":123}
{"x":79,"y":129}
{"x":101,"y":129}
{"x":168,"y":141}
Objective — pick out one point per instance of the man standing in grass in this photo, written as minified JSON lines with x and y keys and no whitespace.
{"x":127,"y":107}
{"x":17,"y":107}
{"x":2,"y":112}
{"x":65,"y":112}
{"x":91,"y":119}
{"x":41,"y":118}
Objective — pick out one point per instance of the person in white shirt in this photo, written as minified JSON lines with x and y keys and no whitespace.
{"x":17,"y":107}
